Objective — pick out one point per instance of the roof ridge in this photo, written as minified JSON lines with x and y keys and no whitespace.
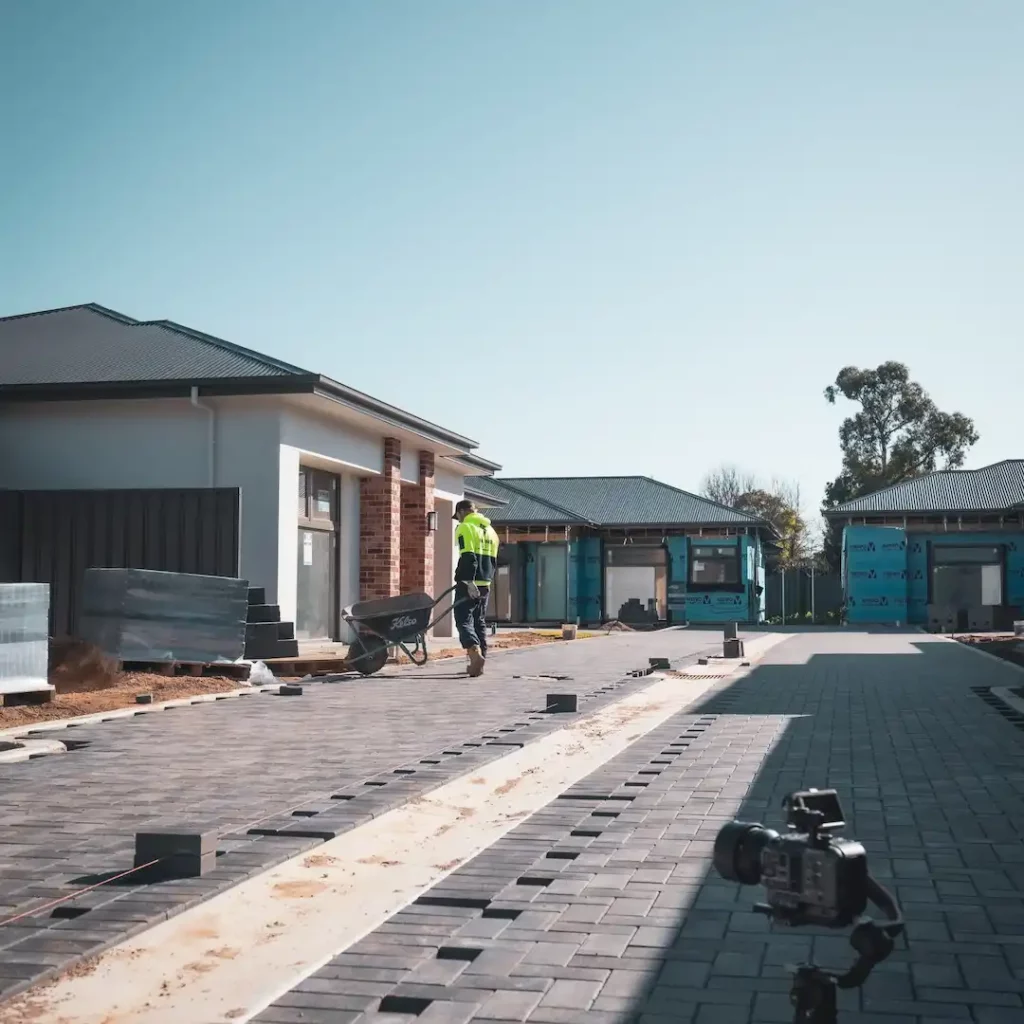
{"x":229,"y":346}
{"x":597,"y":476}
{"x":924,"y":476}
{"x":706,"y":500}
{"x":94,"y":306}
{"x":543,"y":501}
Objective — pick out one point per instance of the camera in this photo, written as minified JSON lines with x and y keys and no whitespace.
{"x":810,"y":875}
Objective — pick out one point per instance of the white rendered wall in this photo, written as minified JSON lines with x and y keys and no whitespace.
{"x":258,"y":445}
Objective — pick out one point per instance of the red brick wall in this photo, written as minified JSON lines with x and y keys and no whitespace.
{"x":380,"y":517}
{"x":417,"y":542}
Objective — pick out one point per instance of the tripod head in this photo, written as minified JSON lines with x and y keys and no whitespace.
{"x":813,"y":876}
{"x":814,"y":989}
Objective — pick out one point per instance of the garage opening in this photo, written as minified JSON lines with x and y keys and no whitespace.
{"x":636,"y":583}
{"x":967,"y":584}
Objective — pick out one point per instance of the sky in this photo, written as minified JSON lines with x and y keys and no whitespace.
{"x":597,"y":236}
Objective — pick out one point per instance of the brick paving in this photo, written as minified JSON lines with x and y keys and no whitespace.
{"x":602,"y":909}
{"x":273,"y":775}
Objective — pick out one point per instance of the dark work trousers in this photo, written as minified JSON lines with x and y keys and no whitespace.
{"x":471,"y":618}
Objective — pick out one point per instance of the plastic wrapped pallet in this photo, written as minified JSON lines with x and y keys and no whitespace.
{"x":24,"y":630}
{"x":144,"y":615}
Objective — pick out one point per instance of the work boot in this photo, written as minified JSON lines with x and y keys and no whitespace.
{"x":476,"y":662}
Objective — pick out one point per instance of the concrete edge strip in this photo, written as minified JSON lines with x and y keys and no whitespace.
{"x":980,"y":650}
{"x":239,"y":951}
{"x":29,"y":749}
{"x":99,"y":717}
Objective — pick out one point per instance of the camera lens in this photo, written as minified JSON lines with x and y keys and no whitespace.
{"x":738,"y":849}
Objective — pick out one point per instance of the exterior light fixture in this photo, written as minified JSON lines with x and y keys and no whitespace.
{"x":431,"y":522}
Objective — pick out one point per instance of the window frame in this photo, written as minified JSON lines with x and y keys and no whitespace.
{"x":735,"y":558}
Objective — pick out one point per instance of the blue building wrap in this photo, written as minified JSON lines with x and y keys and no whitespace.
{"x":677,"y":565}
{"x":530,"y":602}
{"x":572,"y":603}
{"x":875,"y":574}
{"x":886,"y":570}
{"x":588,"y":589}
{"x":700,"y":606}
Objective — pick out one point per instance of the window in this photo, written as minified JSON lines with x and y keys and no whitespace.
{"x":318,"y":496}
{"x":966,"y":577}
{"x":713,"y":565}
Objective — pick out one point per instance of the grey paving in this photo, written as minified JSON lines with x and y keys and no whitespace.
{"x":272,"y":775}
{"x":602,"y":907}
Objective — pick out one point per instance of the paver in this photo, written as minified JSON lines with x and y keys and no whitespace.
{"x":272,"y":776}
{"x":931,"y":779}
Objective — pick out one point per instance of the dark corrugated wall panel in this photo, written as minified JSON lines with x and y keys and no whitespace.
{"x":54,"y":536}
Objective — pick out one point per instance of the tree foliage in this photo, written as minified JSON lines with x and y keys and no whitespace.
{"x":898,"y":433}
{"x":778,"y":503}
{"x":727,"y":484}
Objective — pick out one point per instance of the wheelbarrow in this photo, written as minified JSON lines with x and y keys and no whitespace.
{"x":383,"y":625}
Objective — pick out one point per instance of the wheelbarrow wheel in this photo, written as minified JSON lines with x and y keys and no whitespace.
{"x":367,"y":654}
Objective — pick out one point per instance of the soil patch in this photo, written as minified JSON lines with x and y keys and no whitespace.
{"x":120,"y":694}
{"x":1004,"y":646}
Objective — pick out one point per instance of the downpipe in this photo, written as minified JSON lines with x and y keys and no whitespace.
{"x":211,"y":439}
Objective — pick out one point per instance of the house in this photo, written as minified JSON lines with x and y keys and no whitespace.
{"x":944,"y":550}
{"x":337,"y":496}
{"x":594,"y":549}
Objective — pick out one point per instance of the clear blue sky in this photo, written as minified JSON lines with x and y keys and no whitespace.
{"x":651,"y":231}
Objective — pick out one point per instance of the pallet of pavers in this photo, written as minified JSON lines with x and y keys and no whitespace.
{"x":145,"y":617}
{"x":24,"y":642}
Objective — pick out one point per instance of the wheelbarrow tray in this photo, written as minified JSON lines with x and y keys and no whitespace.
{"x":394,"y":619}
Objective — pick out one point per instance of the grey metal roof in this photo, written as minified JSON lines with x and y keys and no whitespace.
{"x":89,"y":351}
{"x":611,"y":501}
{"x":995,"y":488}
{"x":519,"y":507}
{"x":90,"y":345}
{"x":483,"y":495}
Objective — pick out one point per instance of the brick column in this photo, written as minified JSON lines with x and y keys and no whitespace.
{"x":417,"y":541}
{"x":380,"y":519}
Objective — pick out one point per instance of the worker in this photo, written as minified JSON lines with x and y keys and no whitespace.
{"x":478,"y":557}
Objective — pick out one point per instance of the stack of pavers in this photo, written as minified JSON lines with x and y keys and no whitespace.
{"x":266,"y":636}
{"x":24,"y":643}
{"x":140,"y":615}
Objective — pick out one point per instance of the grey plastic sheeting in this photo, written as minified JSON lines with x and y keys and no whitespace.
{"x":24,"y":628}
{"x":143,"y":615}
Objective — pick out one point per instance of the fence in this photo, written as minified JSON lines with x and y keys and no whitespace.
{"x":827,"y":590}
{"x":54,"y":536}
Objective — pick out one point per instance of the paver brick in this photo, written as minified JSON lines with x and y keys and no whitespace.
{"x":77,"y":816}
{"x":882,"y":718}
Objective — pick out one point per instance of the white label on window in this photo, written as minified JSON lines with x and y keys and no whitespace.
{"x":323,"y":501}
{"x":307,"y":549}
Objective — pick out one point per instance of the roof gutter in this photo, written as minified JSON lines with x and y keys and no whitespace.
{"x":479,"y":462}
{"x":835,"y":513}
{"x":335,"y":392}
{"x":94,"y":391}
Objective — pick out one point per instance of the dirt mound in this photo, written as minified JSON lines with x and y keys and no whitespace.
{"x":80,"y":667}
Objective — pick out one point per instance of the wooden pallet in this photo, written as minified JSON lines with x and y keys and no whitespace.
{"x":228,"y":670}
{"x":308,"y":666}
